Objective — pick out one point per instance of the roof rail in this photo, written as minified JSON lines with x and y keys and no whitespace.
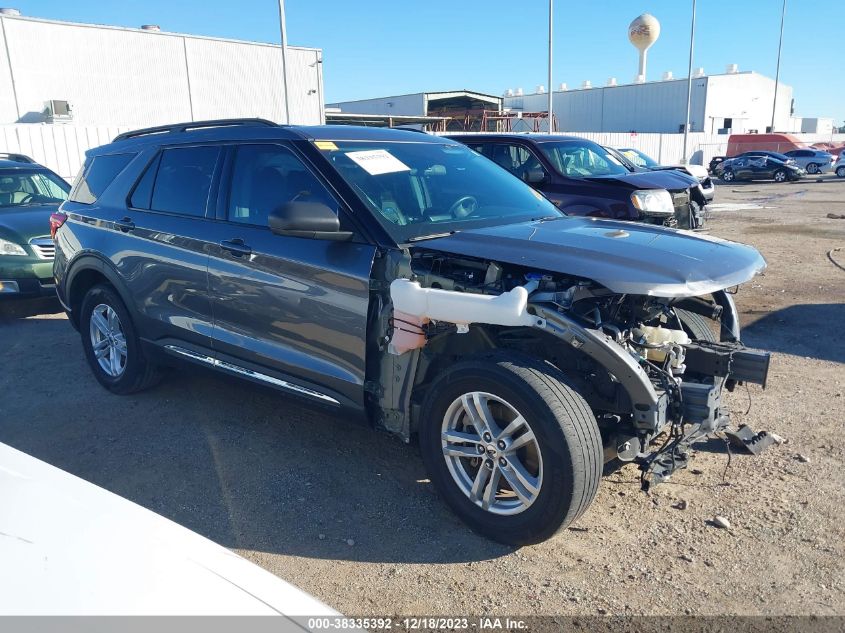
{"x":193,"y":125}
{"x":18,"y":158}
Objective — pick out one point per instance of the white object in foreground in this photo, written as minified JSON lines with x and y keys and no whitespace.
{"x":69,"y":547}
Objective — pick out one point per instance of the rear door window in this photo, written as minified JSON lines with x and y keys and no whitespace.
{"x":178,"y":181}
{"x":97,"y":174}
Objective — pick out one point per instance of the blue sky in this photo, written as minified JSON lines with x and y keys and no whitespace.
{"x":378,"y":47}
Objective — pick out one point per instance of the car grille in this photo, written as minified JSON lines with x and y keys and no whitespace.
{"x":43,"y":247}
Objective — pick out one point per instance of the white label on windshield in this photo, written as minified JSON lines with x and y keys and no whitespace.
{"x":378,"y":161}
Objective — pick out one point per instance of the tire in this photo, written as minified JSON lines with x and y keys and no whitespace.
{"x":780,"y":175}
{"x":133,"y":372}
{"x":840,"y":171}
{"x":812,"y":168}
{"x":567,"y":447}
{"x":697,"y":326}
{"x":728,"y":176}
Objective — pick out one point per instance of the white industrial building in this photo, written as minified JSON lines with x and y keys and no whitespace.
{"x":735,"y":102}
{"x":87,"y":74}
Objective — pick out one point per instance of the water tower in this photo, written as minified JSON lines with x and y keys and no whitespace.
{"x":643,"y":33}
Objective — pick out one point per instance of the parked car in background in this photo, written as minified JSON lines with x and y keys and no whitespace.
{"x":583,"y":178}
{"x":813,"y":161}
{"x":644,"y":161}
{"x":776,"y":155}
{"x":406,"y":281}
{"x":758,"y":168}
{"x":714,"y":163}
{"x":29,"y":193}
{"x":839,"y":166}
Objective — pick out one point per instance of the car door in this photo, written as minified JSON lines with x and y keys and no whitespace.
{"x":289,"y":311}
{"x":149,"y":226}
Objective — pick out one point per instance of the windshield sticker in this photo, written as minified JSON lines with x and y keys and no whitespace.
{"x":378,"y":161}
{"x":325,"y":145}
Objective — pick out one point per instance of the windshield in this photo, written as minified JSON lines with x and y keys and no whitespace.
{"x":20,"y":188}
{"x":638,"y":158}
{"x":582,"y":159}
{"x":418,"y":190}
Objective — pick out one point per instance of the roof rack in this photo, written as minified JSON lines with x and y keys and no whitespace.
{"x":18,"y":158}
{"x":193,"y":125}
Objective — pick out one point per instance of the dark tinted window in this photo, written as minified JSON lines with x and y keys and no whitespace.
{"x":267,"y":176}
{"x":97,"y":174}
{"x":183,"y":180}
{"x":143,"y":192}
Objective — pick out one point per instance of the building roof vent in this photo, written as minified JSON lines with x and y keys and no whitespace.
{"x":611,"y":81}
{"x":732,"y":69}
{"x":518,"y":92}
{"x":667,"y":76}
{"x":155,"y":28}
{"x":639,"y":79}
{"x":509,"y":92}
{"x":541,"y":89}
{"x":9,"y":11}
{"x":699,"y":72}
{"x":587,"y":84}
{"x":563,"y":87}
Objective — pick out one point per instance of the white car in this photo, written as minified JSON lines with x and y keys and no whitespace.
{"x":69,"y":547}
{"x":839,"y":165}
{"x":640,"y":159}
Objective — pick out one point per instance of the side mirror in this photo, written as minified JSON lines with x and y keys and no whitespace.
{"x":307,"y":219}
{"x":535,"y":176}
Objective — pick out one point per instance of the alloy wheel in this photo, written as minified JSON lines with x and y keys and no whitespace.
{"x":492,"y":453}
{"x":108,"y":340}
{"x":780,"y":176}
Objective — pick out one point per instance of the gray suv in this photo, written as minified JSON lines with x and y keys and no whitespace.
{"x":405,"y":280}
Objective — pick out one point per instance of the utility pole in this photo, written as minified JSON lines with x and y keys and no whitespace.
{"x":684,"y":158}
{"x":551,"y":89}
{"x":284,"y":31}
{"x":777,"y":70}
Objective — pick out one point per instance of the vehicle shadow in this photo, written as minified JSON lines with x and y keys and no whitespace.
{"x":25,"y":308}
{"x":243,"y":465}
{"x":800,"y":330}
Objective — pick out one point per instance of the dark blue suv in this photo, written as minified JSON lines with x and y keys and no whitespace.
{"x":404,"y":280}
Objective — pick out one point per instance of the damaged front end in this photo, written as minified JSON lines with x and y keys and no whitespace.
{"x":653,"y":369}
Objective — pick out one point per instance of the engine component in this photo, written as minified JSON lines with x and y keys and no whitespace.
{"x":660,"y":340}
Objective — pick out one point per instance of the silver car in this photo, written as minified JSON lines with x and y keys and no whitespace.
{"x":813,"y":161}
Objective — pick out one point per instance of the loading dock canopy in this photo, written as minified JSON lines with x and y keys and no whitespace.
{"x":440,"y":103}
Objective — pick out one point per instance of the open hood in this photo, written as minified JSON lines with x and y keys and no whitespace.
{"x":625,"y":257}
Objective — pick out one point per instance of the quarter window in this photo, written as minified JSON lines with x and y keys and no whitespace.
{"x":97,"y":174}
{"x":265,"y":177}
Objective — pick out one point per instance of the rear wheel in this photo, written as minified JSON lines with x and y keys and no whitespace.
{"x":510,"y":447}
{"x":111,"y":344}
{"x":780,"y":175}
{"x":812,"y":168}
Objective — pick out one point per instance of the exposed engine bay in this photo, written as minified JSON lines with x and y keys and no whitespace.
{"x":652,"y":369}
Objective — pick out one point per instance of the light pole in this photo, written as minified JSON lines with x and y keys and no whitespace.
{"x":284,"y":32}
{"x":551,"y":90}
{"x":689,"y":84}
{"x":777,"y":70}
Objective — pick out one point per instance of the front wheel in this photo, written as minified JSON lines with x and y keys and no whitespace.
{"x":780,"y":175}
{"x":728,"y":176}
{"x":511,"y":447}
{"x":812,"y":168}
{"x":840,"y":171}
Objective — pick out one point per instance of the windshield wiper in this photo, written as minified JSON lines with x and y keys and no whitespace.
{"x":420,"y":238}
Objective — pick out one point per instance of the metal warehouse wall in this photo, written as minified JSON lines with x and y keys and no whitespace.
{"x":117,"y":76}
{"x":402,"y":105}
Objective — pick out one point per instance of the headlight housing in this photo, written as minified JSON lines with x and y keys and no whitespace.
{"x":653,"y":201}
{"x":10,"y":248}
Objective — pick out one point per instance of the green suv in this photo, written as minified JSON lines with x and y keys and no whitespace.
{"x":29,"y":194}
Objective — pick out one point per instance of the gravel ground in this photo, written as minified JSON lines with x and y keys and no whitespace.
{"x":348,"y":515}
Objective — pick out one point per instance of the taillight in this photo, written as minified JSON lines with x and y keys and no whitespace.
{"x":56,"y":220}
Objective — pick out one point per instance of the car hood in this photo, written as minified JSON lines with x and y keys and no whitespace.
{"x":24,"y":223}
{"x":625,"y":257}
{"x":670,"y":179}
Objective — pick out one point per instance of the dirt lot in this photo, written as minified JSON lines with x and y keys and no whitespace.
{"x":348,"y":515}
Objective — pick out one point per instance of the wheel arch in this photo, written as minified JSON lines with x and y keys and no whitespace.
{"x":86,"y":272}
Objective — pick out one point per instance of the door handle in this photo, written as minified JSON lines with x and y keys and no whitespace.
{"x":236,"y":247}
{"x":125,"y":225}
